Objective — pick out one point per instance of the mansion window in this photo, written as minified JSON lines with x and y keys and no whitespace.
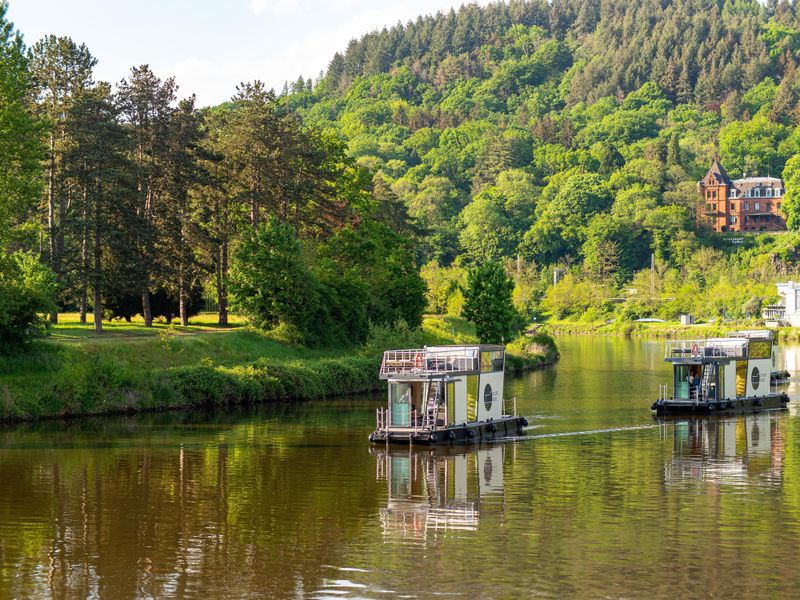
{"x":747,"y":206}
{"x":757,"y":207}
{"x":733,"y":206}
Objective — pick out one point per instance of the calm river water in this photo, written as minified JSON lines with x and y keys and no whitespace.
{"x":599,"y":500}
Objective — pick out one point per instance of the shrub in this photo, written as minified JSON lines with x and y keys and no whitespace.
{"x":27,"y":290}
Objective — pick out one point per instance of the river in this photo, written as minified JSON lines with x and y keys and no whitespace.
{"x":598,"y":500}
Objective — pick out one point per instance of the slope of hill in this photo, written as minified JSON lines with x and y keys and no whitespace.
{"x":571,"y":135}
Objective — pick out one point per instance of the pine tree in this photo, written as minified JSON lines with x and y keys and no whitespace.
{"x":104,"y":175}
{"x":145,"y":102}
{"x":61,"y":70}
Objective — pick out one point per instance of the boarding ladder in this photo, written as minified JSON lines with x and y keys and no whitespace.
{"x":708,"y":379}
{"x":432,"y":407}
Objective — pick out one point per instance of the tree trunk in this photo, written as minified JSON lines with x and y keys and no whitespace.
{"x":183,"y":302}
{"x":222,"y":271}
{"x":85,"y":259}
{"x":254,"y":216}
{"x":222,"y":303}
{"x":98,"y":276}
{"x":51,"y":214}
{"x":146,"y":313}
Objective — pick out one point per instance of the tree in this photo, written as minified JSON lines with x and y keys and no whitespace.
{"x":21,"y":139}
{"x":791,"y":201}
{"x":269,"y":279}
{"x":486,"y":230}
{"x":61,"y":70}
{"x":487,"y":303}
{"x":145,"y":103}
{"x":752,"y":147}
{"x":102,"y":174}
{"x":183,"y":172}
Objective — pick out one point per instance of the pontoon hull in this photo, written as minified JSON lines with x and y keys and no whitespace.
{"x":454,"y":434}
{"x":727,"y":406}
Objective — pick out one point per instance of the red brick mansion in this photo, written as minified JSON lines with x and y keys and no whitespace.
{"x":748,"y":204}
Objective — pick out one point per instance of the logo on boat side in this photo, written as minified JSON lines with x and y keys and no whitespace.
{"x":488,"y":397}
{"x":755,"y":378}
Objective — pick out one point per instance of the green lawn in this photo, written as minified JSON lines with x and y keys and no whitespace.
{"x":69,"y":327}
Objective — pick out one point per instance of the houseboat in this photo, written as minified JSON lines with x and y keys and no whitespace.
{"x":730,"y":374}
{"x":445,"y":395}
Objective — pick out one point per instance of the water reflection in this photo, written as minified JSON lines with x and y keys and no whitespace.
{"x":431,"y":491}
{"x":725,"y":449}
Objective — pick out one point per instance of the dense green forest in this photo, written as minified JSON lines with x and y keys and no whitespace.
{"x":560,"y":139}
{"x":566,"y":139}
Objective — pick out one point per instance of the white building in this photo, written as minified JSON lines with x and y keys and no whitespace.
{"x":787,"y":311}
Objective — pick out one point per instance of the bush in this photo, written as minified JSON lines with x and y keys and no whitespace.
{"x":527,"y":352}
{"x":27,"y":290}
{"x":387,"y":337}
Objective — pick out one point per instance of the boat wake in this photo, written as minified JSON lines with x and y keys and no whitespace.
{"x":584,"y":432}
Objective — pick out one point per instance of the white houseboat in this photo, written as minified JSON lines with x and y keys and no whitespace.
{"x":730,"y":374}
{"x":444,"y":394}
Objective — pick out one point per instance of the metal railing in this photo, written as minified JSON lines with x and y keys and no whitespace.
{"x":705,"y":349}
{"x":423,"y":361}
{"x":381,"y":418}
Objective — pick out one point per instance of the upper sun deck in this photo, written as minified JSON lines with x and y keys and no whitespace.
{"x":422,"y":363}
{"x":739,"y":345}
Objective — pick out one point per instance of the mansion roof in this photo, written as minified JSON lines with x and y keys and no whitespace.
{"x":717,"y":175}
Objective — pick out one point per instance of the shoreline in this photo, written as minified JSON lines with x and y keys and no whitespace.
{"x":63,"y":381}
{"x":662,"y":330}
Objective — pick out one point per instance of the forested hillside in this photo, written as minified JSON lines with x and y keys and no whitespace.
{"x":562,"y":140}
{"x":571,"y":135}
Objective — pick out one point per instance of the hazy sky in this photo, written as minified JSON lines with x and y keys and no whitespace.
{"x":210,"y":46}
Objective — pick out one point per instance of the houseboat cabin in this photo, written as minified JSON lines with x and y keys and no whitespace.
{"x":444,"y":394}
{"x":730,"y":374}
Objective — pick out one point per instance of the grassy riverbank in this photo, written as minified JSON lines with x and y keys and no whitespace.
{"x":663,"y":330}
{"x":131,"y":368}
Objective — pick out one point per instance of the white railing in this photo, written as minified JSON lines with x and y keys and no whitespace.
{"x":424,"y":361}
{"x":381,"y":415}
{"x":705,"y":349}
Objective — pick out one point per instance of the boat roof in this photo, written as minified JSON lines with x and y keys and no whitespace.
{"x":752,"y":334}
{"x":456,"y":348}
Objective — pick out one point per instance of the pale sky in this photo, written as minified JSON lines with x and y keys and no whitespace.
{"x":208,"y":45}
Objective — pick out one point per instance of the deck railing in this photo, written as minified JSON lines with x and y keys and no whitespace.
{"x":424,"y":361}
{"x":705,"y":349}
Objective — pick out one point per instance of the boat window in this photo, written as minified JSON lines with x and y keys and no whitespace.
{"x":491,"y":362}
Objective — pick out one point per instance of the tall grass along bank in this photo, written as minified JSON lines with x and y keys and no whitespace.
{"x":82,"y":376}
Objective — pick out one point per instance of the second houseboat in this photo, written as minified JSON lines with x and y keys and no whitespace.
{"x":730,"y":374}
{"x":443,"y":395}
